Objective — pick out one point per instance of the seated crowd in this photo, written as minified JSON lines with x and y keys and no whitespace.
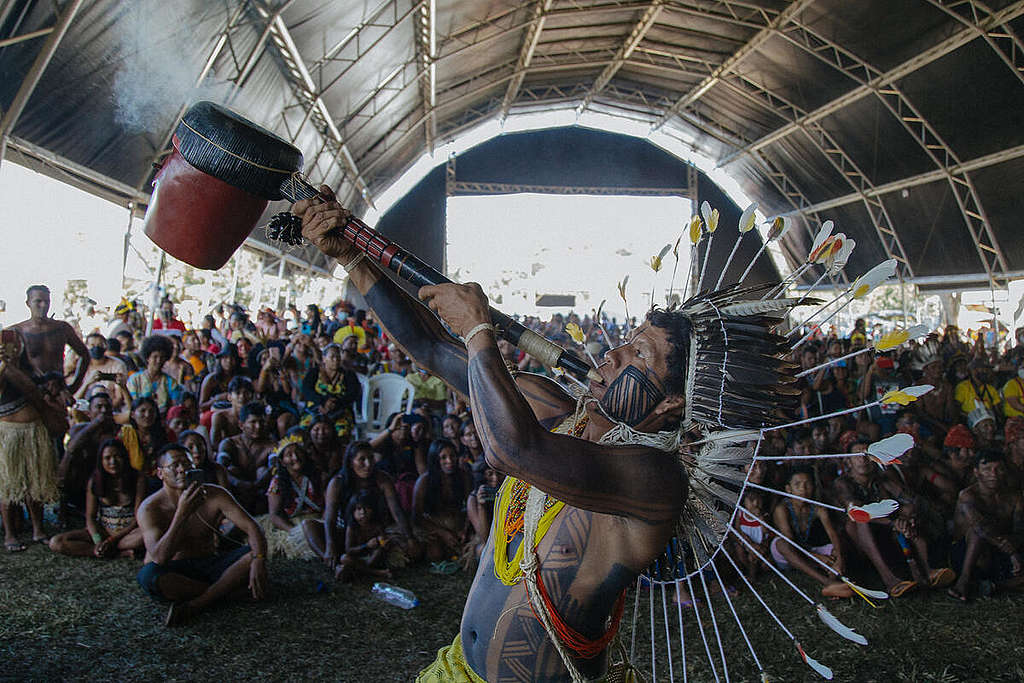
{"x":265,"y":414}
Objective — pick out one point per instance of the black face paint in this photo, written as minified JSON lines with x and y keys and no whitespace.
{"x":631,"y":397}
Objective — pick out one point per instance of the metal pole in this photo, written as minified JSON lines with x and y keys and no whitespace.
{"x":156,"y":293}
{"x":35,"y":73}
{"x":127,"y":242}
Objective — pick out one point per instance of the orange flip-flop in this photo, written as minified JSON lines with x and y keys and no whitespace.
{"x":901,"y":588}
{"x":940,"y":578}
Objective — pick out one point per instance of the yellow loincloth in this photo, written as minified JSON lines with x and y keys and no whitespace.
{"x":449,"y":667}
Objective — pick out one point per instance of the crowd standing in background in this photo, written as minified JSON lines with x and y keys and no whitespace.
{"x":205,"y":452}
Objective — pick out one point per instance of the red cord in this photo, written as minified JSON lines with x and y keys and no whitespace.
{"x":572,"y":639}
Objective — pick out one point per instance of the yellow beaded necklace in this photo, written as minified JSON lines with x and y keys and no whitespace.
{"x":511,"y":506}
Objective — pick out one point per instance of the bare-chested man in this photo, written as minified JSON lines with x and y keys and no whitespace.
{"x":45,"y":339}
{"x":179,"y":525}
{"x":245,"y":457}
{"x":621,"y":502}
{"x":228,"y":422}
{"x":27,"y":473}
{"x":989,"y":526}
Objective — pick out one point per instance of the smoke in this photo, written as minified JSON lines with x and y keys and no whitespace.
{"x":161,"y":60}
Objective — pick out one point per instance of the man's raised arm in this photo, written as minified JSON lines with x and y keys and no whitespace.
{"x":635,"y":482}
{"x":412,"y":327}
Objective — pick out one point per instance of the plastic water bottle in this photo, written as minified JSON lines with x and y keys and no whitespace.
{"x":399,"y":597}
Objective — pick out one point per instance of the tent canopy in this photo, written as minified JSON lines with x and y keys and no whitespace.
{"x":901,"y":121}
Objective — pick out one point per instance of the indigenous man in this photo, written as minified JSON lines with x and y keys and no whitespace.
{"x":45,"y":339}
{"x":179,"y":526}
{"x":102,"y":369}
{"x":27,"y":471}
{"x":989,"y":526}
{"x":245,"y":457}
{"x":621,"y":503}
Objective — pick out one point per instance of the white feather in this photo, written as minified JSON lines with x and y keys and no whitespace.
{"x":891,"y":448}
{"x":705,"y":212}
{"x":842,"y":256}
{"x":839,"y":627}
{"x":876,"y":510}
{"x":823,"y":234}
{"x":918,"y":390}
{"x":818,"y":667}
{"x":877,"y":595}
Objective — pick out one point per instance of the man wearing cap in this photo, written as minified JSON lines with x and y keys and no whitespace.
{"x":122,"y":320}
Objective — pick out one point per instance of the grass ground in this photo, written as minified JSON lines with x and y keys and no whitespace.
{"x":67,"y":619}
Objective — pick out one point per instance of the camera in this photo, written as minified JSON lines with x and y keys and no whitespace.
{"x":195,"y":476}
{"x":490,"y":492}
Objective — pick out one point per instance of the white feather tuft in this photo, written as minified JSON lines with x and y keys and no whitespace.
{"x":818,"y":667}
{"x":889,"y":449}
{"x":757,"y":307}
{"x":839,"y":627}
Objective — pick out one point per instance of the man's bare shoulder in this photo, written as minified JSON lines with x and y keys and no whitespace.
{"x":548,"y":399}
{"x":153,"y":508}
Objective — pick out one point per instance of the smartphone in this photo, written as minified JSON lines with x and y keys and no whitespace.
{"x":106,"y":376}
{"x":195,"y":476}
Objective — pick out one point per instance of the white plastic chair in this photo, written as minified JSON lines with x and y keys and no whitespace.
{"x":383,"y":395}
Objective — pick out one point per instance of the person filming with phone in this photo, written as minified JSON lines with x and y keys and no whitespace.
{"x":179,"y":526}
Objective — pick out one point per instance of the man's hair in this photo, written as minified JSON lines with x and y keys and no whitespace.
{"x":98,"y":394}
{"x":799,"y":470}
{"x":95,"y":335}
{"x":37,"y":288}
{"x":161,"y":454}
{"x":156,"y":343}
{"x":239,"y":382}
{"x":123,"y":333}
{"x":249,"y":409}
{"x":679,"y":329}
{"x":113,"y":345}
{"x":987,"y":455}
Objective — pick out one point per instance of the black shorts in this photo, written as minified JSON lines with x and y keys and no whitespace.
{"x":206,"y":569}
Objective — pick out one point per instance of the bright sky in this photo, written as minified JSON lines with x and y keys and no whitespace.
{"x":54,"y":233}
{"x":521,"y":245}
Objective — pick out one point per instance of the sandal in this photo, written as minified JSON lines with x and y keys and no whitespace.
{"x":902,"y":588}
{"x":15,"y":547}
{"x":940,"y":578}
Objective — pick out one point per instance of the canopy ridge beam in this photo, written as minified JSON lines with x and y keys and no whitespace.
{"x":1001,"y":38}
{"x":636,"y":35}
{"x":425,"y":46}
{"x":297,"y":75}
{"x":526,"y":50}
{"x":687,"y":100}
{"x":898,"y":72}
{"x":915,"y":123}
{"x":464,"y":187}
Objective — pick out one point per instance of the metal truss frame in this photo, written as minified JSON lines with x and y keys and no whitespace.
{"x":636,"y":35}
{"x":468,"y":187}
{"x":425,"y":45}
{"x":915,"y":123}
{"x":35,"y":72}
{"x":833,"y":152}
{"x":1002,"y":38}
{"x":298,"y":76}
{"x":957,"y":40}
{"x":759,"y":38}
{"x":526,"y":51}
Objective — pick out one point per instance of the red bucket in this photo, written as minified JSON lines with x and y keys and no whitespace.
{"x":197,"y":218}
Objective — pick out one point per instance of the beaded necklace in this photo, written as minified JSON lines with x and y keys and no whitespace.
{"x":510,"y":508}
